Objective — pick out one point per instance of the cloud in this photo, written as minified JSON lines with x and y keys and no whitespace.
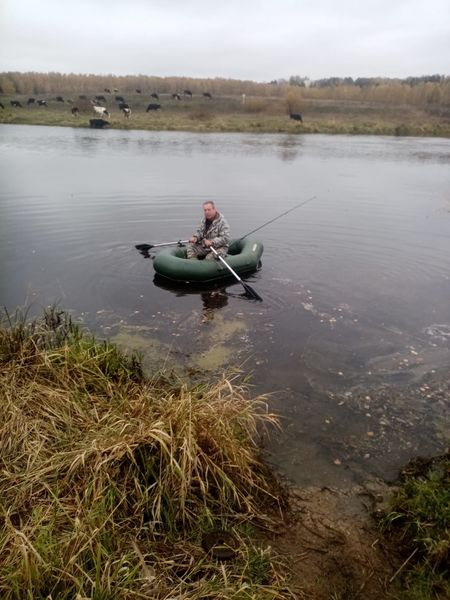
{"x":255,"y":39}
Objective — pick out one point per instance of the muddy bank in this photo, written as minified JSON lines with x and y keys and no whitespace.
{"x":333,"y":544}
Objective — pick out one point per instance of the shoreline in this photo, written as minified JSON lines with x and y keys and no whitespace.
{"x":227,"y":115}
{"x":130,"y":473}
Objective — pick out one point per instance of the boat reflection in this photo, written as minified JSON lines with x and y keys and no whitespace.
{"x":213,"y":296}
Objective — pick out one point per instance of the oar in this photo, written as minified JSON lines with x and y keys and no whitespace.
{"x":250,"y":291}
{"x":147,"y":247}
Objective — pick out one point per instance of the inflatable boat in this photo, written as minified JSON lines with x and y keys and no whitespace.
{"x":244,"y":256}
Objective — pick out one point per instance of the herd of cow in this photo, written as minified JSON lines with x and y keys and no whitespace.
{"x":98,"y":102}
{"x":100,"y":110}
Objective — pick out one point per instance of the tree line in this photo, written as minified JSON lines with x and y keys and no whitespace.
{"x":419,"y":91}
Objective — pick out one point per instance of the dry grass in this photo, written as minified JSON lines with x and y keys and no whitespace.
{"x":109,"y":480}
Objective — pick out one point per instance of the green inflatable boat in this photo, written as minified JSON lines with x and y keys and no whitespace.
{"x":243,"y":256}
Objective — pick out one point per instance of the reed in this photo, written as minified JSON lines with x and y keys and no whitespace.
{"x":109,"y":479}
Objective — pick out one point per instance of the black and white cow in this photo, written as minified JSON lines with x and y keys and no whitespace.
{"x":42,"y":102}
{"x":16,"y":104}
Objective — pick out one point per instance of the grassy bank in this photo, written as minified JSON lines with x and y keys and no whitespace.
{"x":420,"y":520}
{"x":111,"y":482}
{"x":230,"y":114}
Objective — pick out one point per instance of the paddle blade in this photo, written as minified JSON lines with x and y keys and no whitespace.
{"x":143,"y":247}
{"x":251,"y":292}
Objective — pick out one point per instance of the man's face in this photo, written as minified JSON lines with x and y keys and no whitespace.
{"x":209,"y":211}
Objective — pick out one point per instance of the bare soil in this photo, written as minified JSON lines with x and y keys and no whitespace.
{"x":333,"y":545}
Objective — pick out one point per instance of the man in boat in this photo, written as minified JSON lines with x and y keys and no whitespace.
{"x":213,"y":231}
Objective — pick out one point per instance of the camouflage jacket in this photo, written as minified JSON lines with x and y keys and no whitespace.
{"x":218,"y":232}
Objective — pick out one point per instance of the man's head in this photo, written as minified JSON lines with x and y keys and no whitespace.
{"x":209,"y":210}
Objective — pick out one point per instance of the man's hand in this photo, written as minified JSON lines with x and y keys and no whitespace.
{"x":207,"y":243}
{"x":194,"y":239}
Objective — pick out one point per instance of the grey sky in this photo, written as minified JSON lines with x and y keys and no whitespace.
{"x":243,"y":39}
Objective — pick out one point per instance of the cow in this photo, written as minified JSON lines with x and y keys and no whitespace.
{"x":138,"y":91}
{"x":176,"y":97}
{"x":187,"y":93}
{"x":207,"y":95}
{"x":100,"y":110}
{"x":115,"y":90}
{"x":31,"y":100}
{"x":123,"y":105}
{"x":126,"y":112}
{"x":100,"y":98}
{"x":107,"y":91}
{"x":75,"y":111}
{"x":119,"y":99}
{"x":154,"y":95}
{"x":153,"y":107}
{"x":296,"y":117}
{"x":59,"y":99}
{"x":16,"y":104}
{"x":42,"y":102}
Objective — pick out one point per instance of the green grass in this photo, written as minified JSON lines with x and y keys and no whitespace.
{"x":420,"y":517}
{"x":229,"y":114}
{"x":109,"y":479}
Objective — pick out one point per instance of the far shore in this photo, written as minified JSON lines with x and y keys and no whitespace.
{"x":229,"y":114}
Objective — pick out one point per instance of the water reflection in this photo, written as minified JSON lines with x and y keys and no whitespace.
{"x":213,"y":301}
{"x":290,"y":147}
{"x":213,"y":296}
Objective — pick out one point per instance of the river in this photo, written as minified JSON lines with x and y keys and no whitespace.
{"x":352,"y":339}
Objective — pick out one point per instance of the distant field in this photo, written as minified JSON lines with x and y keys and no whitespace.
{"x":231,"y":113}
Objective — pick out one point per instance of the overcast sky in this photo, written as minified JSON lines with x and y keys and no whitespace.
{"x":258,"y":40}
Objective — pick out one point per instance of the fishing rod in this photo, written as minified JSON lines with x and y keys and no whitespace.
{"x":279,"y":217}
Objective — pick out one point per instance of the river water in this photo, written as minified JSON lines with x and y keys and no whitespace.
{"x":352,"y":339}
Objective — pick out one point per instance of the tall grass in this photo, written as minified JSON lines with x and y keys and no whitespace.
{"x":108,"y":480}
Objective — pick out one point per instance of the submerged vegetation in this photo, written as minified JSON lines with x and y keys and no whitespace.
{"x":420,"y":519}
{"x":110,"y":480}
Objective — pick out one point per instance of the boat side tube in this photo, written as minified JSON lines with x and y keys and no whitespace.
{"x":243,"y":257}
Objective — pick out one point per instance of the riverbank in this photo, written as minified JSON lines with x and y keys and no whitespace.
{"x":229,"y":114}
{"x":119,"y":485}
